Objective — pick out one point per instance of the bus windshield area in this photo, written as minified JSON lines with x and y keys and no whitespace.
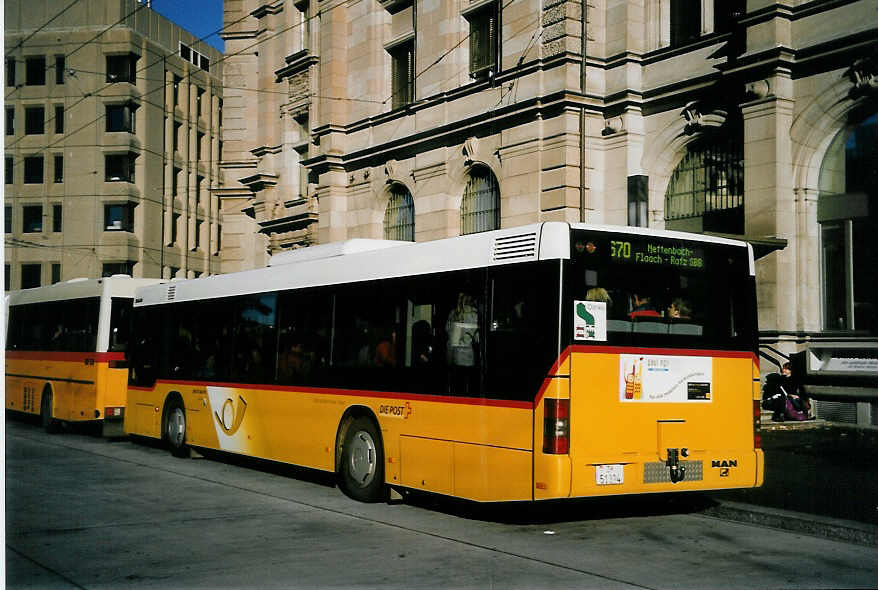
{"x":629,"y":290}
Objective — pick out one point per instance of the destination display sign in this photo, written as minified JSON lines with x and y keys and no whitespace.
{"x":645,"y":252}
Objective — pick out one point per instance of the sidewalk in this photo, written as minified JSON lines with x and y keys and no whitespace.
{"x":815,"y":472}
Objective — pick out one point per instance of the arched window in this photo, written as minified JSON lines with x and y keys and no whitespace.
{"x":399,"y":217}
{"x":706,"y":191}
{"x":847,"y":212}
{"x":480,"y":208}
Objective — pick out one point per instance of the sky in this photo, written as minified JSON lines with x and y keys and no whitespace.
{"x":199,"y":17}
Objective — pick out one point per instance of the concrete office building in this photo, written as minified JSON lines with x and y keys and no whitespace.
{"x":112,"y":144}
{"x":419,"y":120}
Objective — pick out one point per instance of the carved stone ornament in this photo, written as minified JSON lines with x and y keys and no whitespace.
{"x":757,"y":90}
{"x":390,"y":170}
{"x":691,"y":113}
{"x":470,"y":146}
{"x":864,"y":76}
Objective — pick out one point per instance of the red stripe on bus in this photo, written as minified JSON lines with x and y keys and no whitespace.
{"x":47,"y":355}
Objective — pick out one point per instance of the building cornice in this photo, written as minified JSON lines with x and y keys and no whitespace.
{"x":296,"y":62}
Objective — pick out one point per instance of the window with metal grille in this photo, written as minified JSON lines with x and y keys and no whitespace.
{"x":403,"y":66}
{"x":399,"y":217}
{"x":480,"y":208}
{"x":706,"y":191}
{"x":483,"y":40}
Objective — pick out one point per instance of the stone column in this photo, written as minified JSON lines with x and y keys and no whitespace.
{"x":769,"y":199}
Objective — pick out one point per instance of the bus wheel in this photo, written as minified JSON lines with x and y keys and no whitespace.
{"x":50,"y":424}
{"x":362,"y":462}
{"x":175,"y":429}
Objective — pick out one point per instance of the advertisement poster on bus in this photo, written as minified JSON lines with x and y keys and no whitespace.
{"x":590,"y":320}
{"x":665,"y":378}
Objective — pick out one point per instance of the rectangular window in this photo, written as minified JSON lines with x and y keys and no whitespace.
{"x":7,"y":219}
{"x":685,"y":21}
{"x":35,"y":71}
{"x":219,"y":238}
{"x":56,"y":273}
{"x":198,"y":142}
{"x":120,"y":117}
{"x":32,"y":219}
{"x":199,"y":180}
{"x":122,"y":68}
{"x":33,"y":170}
{"x":204,"y":63}
{"x":10,"y":71}
{"x":57,"y":218}
{"x":175,"y":224}
{"x":403,"y":71}
{"x":59,"y":119}
{"x":199,"y":94}
{"x":7,"y":280}
{"x":119,"y":217}
{"x":59,"y":169}
{"x":198,"y":234}
{"x":9,"y":170}
{"x":109,"y":269}
{"x":59,"y":69}
{"x":34,"y":120}
{"x":119,"y":167}
{"x":483,"y":41}
{"x":30,"y":275}
{"x":10,"y":120}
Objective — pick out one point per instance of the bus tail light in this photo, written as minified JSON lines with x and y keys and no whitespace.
{"x":114,"y":412}
{"x":556,"y":427}
{"x":757,"y":424}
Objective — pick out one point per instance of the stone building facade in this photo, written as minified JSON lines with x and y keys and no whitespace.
{"x":112,"y":144}
{"x":420,"y":120}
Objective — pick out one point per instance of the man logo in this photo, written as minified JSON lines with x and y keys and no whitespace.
{"x":231,"y":418}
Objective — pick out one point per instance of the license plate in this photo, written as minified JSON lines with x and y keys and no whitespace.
{"x":609,"y":474}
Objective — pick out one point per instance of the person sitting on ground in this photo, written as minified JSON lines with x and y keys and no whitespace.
{"x":794,"y":390}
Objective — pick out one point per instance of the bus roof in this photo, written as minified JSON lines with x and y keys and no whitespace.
{"x":363,"y":261}
{"x":115,"y":286}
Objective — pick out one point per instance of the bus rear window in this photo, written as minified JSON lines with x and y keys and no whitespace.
{"x":657,"y":292}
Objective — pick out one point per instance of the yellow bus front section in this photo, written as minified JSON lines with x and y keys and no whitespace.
{"x":466,"y":447}
{"x":627,"y":442}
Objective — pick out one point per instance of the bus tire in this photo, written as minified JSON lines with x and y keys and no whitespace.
{"x":50,"y":424}
{"x":361,"y":470}
{"x":174,"y":428}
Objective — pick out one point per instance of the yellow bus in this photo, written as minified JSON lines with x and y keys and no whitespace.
{"x":65,"y":351}
{"x":538,"y":362}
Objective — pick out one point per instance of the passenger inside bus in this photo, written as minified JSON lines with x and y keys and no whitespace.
{"x":680,"y":309}
{"x":385,"y":351}
{"x":462,"y":328}
{"x":422,"y":346}
{"x":643,"y":307}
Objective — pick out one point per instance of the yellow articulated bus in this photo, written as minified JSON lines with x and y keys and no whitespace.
{"x":538,"y":362}
{"x":65,"y":351}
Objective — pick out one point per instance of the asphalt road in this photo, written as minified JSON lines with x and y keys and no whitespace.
{"x":83,"y":512}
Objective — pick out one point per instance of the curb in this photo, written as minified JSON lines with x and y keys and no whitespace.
{"x":821,"y":526}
